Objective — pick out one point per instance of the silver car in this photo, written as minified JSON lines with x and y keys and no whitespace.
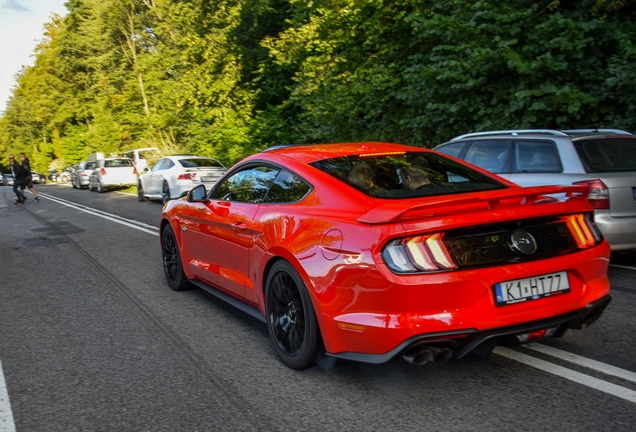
{"x":603,"y":159}
{"x":81,"y":174}
{"x":111,"y":173}
{"x":173,"y":176}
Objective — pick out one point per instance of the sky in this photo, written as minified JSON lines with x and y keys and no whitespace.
{"x":21,"y":28}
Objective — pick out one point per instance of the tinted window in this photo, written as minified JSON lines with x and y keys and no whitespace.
{"x":607,"y":155}
{"x":491,"y":155}
{"x":118,"y":163}
{"x":536,"y":157}
{"x":453,"y":149}
{"x":194,"y":163}
{"x":286,"y":189}
{"x":408,"y":174}
{"x":248,"y":185}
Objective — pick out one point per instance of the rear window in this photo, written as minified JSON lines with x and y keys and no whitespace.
{"x":196,"y":163}
{"x":118,"y":163}
{"x":406,"y":175}
{"x":607,"y":155}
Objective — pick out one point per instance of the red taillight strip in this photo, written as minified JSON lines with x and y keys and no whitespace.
{"x":439,"y":252}
{"x":581,"y":231}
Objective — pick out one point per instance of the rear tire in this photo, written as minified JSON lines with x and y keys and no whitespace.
{"x":165,"y":193}
{"x":100,"y":188}
{"x":171,"y":259}
{"x":291,"y":319}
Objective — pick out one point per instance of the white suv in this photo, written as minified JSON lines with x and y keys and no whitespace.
{"x":174,"y":176}
{"x":603,"y":159}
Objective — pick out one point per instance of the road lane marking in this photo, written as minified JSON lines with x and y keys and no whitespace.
{"x":622,"y":266}
{"x":582,"y":361}
{"x":6,"y":415}
{"x":577,"y":377}
{"x":109,"y":216}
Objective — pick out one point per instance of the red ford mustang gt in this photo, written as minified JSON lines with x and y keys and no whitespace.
{"x":372,"y":250}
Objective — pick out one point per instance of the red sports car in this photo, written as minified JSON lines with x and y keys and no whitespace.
{"x":370,"y":250}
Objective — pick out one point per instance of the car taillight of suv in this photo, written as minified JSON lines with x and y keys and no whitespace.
{"x":599,"y":193}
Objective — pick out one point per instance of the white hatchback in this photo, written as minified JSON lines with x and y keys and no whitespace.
{"x":173,"y":176}
{"x":111,"y":173}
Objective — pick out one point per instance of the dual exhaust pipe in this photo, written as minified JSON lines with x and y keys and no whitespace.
{"x":424,"y":354}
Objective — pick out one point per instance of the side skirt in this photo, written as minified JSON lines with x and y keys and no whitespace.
{"x":251,"y":311}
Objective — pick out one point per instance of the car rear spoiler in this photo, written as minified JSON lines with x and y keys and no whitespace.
{"x":480,"y":201}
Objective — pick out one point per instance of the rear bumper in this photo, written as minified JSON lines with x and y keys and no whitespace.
{"x":620,"y":233}
{"x":465,"y":341}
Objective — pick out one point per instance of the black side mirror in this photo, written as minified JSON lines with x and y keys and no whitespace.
{"x":197,"y":194}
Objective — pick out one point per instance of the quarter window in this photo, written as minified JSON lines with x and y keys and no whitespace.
{"x":287,"y":188}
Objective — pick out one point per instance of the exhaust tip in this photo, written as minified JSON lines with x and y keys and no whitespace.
{"x":418,"y":357}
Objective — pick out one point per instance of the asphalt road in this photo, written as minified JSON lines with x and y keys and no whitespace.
{"x":92,"y":339}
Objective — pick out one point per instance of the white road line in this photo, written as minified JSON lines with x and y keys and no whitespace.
{"x":582,"y":361}
{"x":6,"y":416}
{"x":586,"y":380}
{"x":623,"y":266}
{"x":111,"y":217}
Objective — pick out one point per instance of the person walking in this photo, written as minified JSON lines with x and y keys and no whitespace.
{"x":27,"y":180}
{"x":17,"y":172}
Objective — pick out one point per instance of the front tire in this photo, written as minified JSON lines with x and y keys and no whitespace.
{"x":291,"y":319}
{"x":140,"y":193}
{"x":172,"y":265}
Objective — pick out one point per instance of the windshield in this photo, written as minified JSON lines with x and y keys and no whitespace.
{"x":607,"y":155}
{"x":195,"y":163}
{"x":406,"y":174}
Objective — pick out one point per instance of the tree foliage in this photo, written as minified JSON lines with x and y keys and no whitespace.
{"x":226,"y":78}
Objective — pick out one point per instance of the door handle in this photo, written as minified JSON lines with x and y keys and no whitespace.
{"x":239,"y":225}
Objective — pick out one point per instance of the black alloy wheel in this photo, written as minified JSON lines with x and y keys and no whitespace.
{"x":291,"y":320}
{"x":172,"y":266}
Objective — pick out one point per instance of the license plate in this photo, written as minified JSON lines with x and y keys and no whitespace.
{"x":207,"y":179}
{"x":532,"y":288}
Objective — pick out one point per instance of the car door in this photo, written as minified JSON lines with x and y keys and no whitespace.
{"x":220,"y":231}
{"x":154,"y":178}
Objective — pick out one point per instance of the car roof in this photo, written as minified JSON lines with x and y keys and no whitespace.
{"x":307,"y":153}
{"x":571,"y":133}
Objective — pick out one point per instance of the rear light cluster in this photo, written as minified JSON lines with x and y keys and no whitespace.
{"x":484,"y":246}
{"x":425,"y":253}
{"x":583,"y":231}
{"x":188,"y":176}
{"x":599,"y":194}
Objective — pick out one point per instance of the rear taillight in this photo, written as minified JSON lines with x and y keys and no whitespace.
{"x":189,"y":176}
{"x":583,"y":230}
{"x":102,"y":171}
{"x":599,"y":193}
{"x":135,"y":171}
{"x":426,"y":253}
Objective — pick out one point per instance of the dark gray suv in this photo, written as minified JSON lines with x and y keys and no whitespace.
{"x":604,"y":159}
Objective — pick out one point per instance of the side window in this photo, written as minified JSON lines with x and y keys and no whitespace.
{"x":286,"y":189}
{"x":168,"y":163}
{"x":536,"y":157}
{"x":247,"y":185}
{"x":491,"y":155}
{"x":453,"y":149}
{"x":159,"y":165}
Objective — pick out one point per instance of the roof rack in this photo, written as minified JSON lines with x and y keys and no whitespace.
{"x":592,"y":131}
{"x":512,"y":132}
